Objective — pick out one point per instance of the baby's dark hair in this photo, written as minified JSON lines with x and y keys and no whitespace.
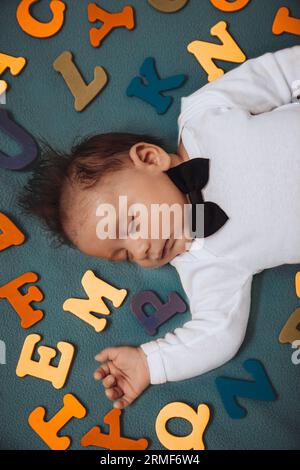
{"x":86,"y":163}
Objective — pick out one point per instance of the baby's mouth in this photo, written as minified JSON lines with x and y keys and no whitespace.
{"x":168,"y":245}
{"x":166,"y":248}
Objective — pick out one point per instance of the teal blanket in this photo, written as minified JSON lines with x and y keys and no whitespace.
{"x":40,"y":101}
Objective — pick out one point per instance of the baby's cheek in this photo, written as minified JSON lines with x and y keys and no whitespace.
{"x":182,"y":246}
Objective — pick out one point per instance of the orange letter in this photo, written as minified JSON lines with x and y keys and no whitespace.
{"x":82,"y":93}
{"x":14,"y":64}
{"x":113,"y":440}
{"x":21,"y":303}
{"x":198,"y":419}
{"x":206,"y":51}
{"x":36,"y":28}
{"x":225,"y":5}
{"x":95,"y":289}
{"x":48,"y":430}
{"x":43,"y":369}
{"x":10,"y":234}
{"x":284,"y":23}
{"x":297,"y":283}
{"x":110,"y":20}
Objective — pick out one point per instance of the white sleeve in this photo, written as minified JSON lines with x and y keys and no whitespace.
{"x":219,"y":291}
{"x":258,"y":85}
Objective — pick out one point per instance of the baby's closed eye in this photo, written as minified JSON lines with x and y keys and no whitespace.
{"x":120,"y":255}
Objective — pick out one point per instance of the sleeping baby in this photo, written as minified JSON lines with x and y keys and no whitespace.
{"x":238,"y":158}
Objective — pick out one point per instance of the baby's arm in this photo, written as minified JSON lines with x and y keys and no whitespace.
{"x":258,"y":85}
{"x":219,"y":291}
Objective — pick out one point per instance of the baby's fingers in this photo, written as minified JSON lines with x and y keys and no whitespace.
{"x":109,"y":381}
{"x":101,"y":372}
{"x":107,"y":354}
{"x":122,"y":403}
{"x":114,"y":393}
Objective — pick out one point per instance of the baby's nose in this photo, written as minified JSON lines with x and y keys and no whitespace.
{"x":140,"y":250}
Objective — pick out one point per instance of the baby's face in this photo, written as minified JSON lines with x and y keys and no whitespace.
{"x":103,"y":224}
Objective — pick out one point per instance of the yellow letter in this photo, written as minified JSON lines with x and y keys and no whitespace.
{"x":43,"y":369}
{"x":95,"y":288}
{"x":297,"y":283}
{"x":199,"y":421}
{"x":14,"y":64}
{"x":206,"y":51}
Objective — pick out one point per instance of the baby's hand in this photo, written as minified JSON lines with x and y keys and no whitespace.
{"x":125,"y":374}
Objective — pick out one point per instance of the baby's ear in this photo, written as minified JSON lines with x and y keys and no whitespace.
{"x":145,"y":155}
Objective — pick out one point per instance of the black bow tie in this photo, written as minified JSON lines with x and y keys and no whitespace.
{"x":190,"y":178}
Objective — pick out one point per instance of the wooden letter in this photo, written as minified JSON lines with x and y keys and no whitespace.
{"x":285,"y":23}
{"x":82,"y":93}
{"x":110,"y":21}
{"x":206,"y":51}
{"x":163,"y":311}
{"x":151,"y":92}
{"x":3,"y":88}
{"x":113,"y":440}
{"x":37,"y":28}
{"x":297,"y":284}
{"x":168,"y":6}
{"x":48,"y":430}
{"x":258,"y":389}
{"x":229,"y":6}
{"x":95,"y":288}
{"x":290,"y":331}
{"x":199,"y":420}
{"x":14,"y":64}
{"x":29,"y":147}
{"x":43,"y":369}
{"x":21,"y":303}
{"x":10,"y":235}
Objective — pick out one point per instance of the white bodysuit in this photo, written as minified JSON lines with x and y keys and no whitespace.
{"x":247,"y":124}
